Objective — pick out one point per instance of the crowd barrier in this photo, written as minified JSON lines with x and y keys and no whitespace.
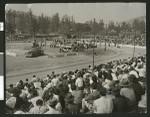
{"x":11,"y":53}
{"x":61,"y":55}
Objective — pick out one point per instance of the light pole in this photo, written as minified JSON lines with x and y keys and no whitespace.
{"x":134,"y":44}
{"x":94,"y":43}
{"x":105,"y":38}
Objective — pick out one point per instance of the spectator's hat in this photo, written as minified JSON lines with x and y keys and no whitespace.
{"x":133,"y":78}
{"x":49,"y":85}
{"x":125,"y":70}
{"x":17,"y":84}
{"x":11,"y":102}
{"x":112,"y":84}
{"x":73,"y":77}
{"x":103,"y":67}
{"x":115,"y":91}
{"x":125,"y":82}
{"x":34,"y":79}
{"x":69,"y":98}
{"x":53,"y":102}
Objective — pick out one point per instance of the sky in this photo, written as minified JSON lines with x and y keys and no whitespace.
{"x":83,"y":12}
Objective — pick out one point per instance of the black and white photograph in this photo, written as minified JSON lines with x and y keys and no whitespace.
{"x":75,"y":58}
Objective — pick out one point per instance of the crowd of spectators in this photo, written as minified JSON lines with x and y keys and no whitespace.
{"x":129,"y":40}
{"x":117,"y":86}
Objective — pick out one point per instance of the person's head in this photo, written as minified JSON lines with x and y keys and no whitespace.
{"x":51,"y":91}
{"x":11,"y":85}
{"x":103,"y":91}
{"x":53,"y":72}
{"x":65,"y":89}
{"x":126,"y":70}
{"x":79,"y":74}
{"x":27,"y":79}
{"x":116,"y":91}
{"x":73,"y":86}
{"x":124,"y":83}
{"x":132,"y":78}
{"x":53,"y":102}
{"x":94,"y":86}
{"x":69,"y":98}
{"x":21,"y":82}
{"x":16,"y":92}
{"x":34,"y":93}
{"x":94,"y":78}
{"x":23,"y":108}
{"x":39,"y":102}
{"x":131,"y":68}
{"x":109,"y":76}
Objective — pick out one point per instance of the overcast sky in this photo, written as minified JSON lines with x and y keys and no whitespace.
{"x":82,"y":12}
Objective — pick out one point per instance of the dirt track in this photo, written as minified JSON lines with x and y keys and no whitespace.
{"x":123,"y":52}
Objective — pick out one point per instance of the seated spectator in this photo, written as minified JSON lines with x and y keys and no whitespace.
{"x":23,"y":110}
{"x":11,"y":89}
{"x":79,"y":80}
{"x":119,"y":102}
{"x":133,"y":71}
{"x":15,"y":102}
{"x":87,"y":102}
{"x":39,"y":108}
{"x":138,"y":90}
{"x":78,"y":95}
{"x":52,"y":104}
{"x":71,"y":108}
{"x":103,"y":104}
{"x":142,"y":104}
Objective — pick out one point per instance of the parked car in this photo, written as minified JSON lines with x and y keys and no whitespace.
{"x":34,"y":52}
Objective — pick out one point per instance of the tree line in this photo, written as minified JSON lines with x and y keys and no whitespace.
{"x":28,"y":23}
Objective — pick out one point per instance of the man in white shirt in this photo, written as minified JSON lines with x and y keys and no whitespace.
{"x":104,"y":104}
{"x":79,"y":80}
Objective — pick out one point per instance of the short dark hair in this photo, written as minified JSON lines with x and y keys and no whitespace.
{"x":11,"y":85}
{"x":39,"y":102}
{"x":94,"y":85}
{"x":103,"y":91}
{"x":94,"y":78}
{"x":73,"y":86}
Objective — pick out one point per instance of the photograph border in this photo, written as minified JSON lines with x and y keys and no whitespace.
{"x":2,"y":103}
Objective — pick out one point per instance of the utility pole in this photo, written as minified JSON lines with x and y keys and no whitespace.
{"x":105,"y":38}
{"x":94,"y":43}
{"x":134,"y":44}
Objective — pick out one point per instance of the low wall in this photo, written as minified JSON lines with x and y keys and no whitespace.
{"x":9,"y":53}
{"x":61,"y":55}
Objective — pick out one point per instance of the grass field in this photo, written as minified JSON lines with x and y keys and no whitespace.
{"x":21,"y":67}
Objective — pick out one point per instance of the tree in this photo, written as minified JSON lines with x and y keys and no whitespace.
{"x":11,"y":21}
{"x":55,"y":22}
{"x":65,"y":26}
{"x":44,"y":24}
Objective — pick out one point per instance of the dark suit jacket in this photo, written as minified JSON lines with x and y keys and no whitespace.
{"x":92,"y":96}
